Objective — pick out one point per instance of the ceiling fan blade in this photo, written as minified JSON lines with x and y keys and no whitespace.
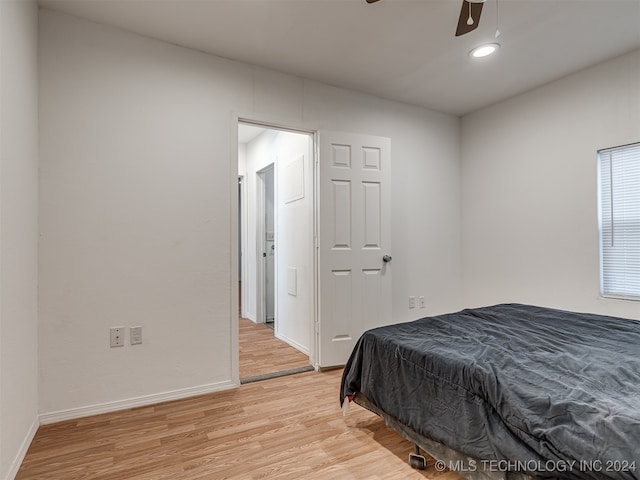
{"x":469,"y":10}
{"x":372,"y":1}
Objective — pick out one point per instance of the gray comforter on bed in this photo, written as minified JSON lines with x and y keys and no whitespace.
{"x":555,"y":393}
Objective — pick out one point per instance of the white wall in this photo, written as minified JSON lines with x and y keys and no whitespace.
{"x":136,"y":206}
{"x":243,"y":244}
{"x":18,"y":232}
{"x":135,"y":218}
{"x":294,"y":239}
{"x":257,"y":155}
{"x":294,"y":231}
{"x":530,"y":224}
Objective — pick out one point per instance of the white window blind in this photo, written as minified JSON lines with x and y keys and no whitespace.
{"x":619,"y":207}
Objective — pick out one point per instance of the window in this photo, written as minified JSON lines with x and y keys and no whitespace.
{"x":619,"y":221}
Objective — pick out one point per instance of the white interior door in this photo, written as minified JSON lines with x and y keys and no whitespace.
{"x":355,"y":236}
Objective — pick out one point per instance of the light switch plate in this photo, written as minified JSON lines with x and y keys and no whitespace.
{"x":135,"y":335}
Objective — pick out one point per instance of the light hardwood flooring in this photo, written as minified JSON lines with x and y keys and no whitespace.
{"x":283,"y":428}
{"x":261,"y":352}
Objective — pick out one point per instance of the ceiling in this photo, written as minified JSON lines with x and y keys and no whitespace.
{"x":403,"y":50}
{"x":247,"y":133}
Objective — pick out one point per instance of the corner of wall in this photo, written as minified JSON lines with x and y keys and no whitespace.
{"x":18,"y":232}
{"x":22,"y":452}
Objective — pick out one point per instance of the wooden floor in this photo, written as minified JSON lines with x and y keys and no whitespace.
{"x":283,"y":428}
{"x":261,"y":352}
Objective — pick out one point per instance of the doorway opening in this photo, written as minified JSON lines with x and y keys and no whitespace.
{"x":276,"y":251}
{"x":265,"y":226}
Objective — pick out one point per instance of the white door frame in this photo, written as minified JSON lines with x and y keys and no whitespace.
{"x":234,"y":301}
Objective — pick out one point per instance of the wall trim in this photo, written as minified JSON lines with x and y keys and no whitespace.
{"x":22,"y":452}
{"x":293,"y":343}
{"x":108,"y":407}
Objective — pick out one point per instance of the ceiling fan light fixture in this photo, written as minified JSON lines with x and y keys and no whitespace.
{"x":484,"y":50}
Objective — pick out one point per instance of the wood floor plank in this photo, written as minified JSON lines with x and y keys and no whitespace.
{"x":262,"y":353}
{"x":283,"y":428}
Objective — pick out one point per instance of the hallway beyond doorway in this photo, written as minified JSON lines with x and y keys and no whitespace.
{"x":261,"y":353}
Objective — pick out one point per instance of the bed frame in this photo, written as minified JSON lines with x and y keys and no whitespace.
{"x":437,"y":451}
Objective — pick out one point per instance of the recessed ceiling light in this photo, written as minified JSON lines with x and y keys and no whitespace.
{"x":484,"y":50}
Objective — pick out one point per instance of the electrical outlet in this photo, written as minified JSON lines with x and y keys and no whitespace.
{"x":135,"y":335}
{"x":412,"y":302}
{"x":117,"y":336}
{"x":421,"y":301}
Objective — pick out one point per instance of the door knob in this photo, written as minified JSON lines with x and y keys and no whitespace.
{"x":386,"y":258}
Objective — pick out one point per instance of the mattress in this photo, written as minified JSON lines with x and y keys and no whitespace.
{"x":548,"y":393}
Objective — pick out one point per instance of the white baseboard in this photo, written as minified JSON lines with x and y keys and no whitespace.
{"x":26,"y":443}
{"x":73,"y":413}
{"x":293,"y":343}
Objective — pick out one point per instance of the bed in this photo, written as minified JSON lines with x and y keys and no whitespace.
{"x":509,"y":391}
